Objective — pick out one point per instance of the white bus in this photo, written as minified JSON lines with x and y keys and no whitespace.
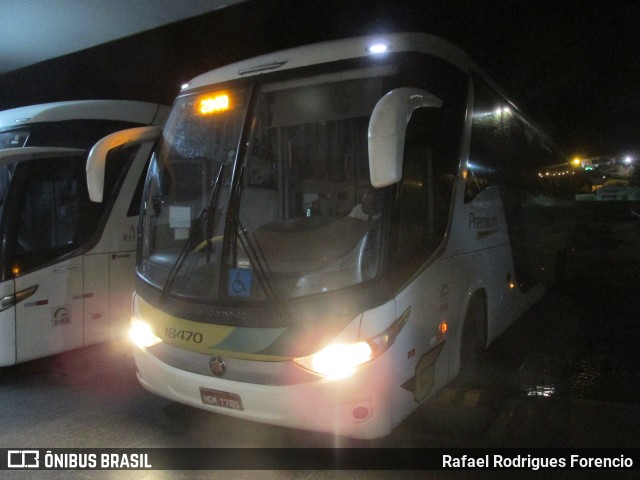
{"x":329,"y":231}
{"x":67,"y":260}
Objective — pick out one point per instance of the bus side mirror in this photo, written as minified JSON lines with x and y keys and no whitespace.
{"x":387,"y":128}
{"x":97,"y":160}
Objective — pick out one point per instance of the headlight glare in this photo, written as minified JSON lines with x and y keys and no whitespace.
{"x":142,"y":335}
{"x":338,"y":360}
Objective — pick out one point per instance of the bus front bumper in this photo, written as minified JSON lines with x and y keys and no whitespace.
{"x":355,"y":406}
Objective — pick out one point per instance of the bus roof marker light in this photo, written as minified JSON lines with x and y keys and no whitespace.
{"x":378,"y":48}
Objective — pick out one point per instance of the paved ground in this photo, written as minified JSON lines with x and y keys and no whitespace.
{"x":567,"y":374}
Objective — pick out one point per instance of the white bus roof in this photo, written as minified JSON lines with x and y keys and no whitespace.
{"x":118,"y":110}
{"x":333,"y":51}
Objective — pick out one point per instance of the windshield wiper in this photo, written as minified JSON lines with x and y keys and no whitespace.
{"x":263,"y":272}
{"x":209,"y":214}
{"x":213,"y":201}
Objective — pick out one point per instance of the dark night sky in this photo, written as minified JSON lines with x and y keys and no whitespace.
{"x":574,"y":66}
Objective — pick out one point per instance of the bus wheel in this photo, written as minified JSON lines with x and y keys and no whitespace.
{"x":474,"y":337}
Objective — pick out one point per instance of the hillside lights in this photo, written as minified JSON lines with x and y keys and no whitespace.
{"x":142,"y":335}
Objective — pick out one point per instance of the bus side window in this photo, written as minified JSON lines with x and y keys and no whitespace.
{"x":486,"y":155}
{"x":507,"y":151}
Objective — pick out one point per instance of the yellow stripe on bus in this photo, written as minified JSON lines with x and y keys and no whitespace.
{"x":194,"y":336}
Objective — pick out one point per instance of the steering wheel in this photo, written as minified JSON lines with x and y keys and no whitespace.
{"x":204,"y":243}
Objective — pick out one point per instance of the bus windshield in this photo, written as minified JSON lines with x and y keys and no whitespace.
{"x":296,"y":215}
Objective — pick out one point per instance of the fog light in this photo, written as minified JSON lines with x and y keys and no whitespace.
{"x":361,"y":413}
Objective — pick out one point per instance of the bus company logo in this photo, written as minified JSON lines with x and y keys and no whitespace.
{"x":131,"y":235}
{"x":23,"y":459}
{"x":479,"y":222}
{"x":218,"y":366}
{"x":61,"y":316}
{"x":216,"y":313}
{"x":483,"y":225}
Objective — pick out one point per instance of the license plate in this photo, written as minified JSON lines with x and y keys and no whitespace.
{"x":221,"y":399}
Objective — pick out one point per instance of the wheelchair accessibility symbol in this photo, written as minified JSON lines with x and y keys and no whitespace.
{"x":240,"y":280}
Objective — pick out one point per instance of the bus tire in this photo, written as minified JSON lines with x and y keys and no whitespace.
{"x":474,"y":337}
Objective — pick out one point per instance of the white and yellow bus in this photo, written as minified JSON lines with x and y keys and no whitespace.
{"x":67,"y":260}
{"x":329,"y":231}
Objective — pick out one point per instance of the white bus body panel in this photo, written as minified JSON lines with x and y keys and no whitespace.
{"x":51,"y":320}
{"x":7,"y":327}
{"x":108,"y":284}
{"x":121,"y":268}
{"x":482,"y":261}
{"x":96,"y":298}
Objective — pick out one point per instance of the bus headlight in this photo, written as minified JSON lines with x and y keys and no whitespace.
{"x":338,"y":360}
{"x":142,"y":335}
